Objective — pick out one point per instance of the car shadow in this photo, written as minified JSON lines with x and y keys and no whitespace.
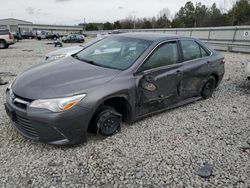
{"x":245,"y":86}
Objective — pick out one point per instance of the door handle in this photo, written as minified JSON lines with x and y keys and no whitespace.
{"x":149,"y":78}
{"x":178,"y":72}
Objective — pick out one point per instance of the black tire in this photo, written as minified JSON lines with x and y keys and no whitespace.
{"x":3,"y":44}
{"x":248,"y":78}
{"x":208,"y":88}
{"x":107,"y":121}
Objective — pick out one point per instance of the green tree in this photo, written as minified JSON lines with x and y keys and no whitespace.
{"x":117,"y":25}
{"x":240,"y":13}
{"x":146,"y":24}
{"x":108,"y":26}
{"x":91,"y":27}
{"x":185,"y":17}
{"x":163,"y":22}
{"x":215,"y":17}
{"x":200,"y":15}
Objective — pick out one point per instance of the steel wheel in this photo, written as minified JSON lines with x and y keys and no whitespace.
{"x":107,"y":121}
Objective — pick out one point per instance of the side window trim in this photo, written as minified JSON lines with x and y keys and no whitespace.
{"x":153,"y":50}
{"x":210,"y":53}
{"x":205,"y":49}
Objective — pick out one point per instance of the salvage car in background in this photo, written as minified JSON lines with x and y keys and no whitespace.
{"x":73,"y":38}
{"x":68,"y":51}
{"x":6,"y":39}
{"x":63,"y":52}
{"x":123,"y":77}
{"x":27,"y":35}
{"x":41,"y":35}
{"x":17,"y":36}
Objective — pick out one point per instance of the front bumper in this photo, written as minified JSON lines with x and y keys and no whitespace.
{"x":64,"y":128}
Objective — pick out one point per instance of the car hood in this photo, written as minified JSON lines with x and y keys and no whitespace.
{"x":65,"y":77}
{"x":68,"y":51}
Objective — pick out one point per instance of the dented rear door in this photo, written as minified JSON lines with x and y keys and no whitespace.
{"x":195,"y":64}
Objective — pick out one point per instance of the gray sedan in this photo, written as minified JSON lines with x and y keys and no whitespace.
{"x":120,"y":78}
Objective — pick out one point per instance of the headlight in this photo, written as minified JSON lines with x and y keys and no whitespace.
{"x":9,"y":87}
{"x":55,"y":57}
{"x":57,"y":105}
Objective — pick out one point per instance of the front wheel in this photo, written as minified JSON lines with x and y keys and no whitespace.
{"x":3,"y":44}
{"x":107,"y":121}
{"x":208,"y":88}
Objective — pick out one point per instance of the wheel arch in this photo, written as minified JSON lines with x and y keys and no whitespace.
{"x":216,"y":76}
{"x":120,"y":103}
{"x":4,"y":41}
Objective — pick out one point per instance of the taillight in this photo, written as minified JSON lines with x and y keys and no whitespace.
{"x":223,"y":61}
{"x":10,"y":36}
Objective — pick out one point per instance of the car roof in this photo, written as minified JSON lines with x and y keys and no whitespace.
{"x":151,"y":36}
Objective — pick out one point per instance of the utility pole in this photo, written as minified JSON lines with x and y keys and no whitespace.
{"x":134,"y":18}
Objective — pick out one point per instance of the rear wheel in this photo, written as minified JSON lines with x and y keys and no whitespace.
{"x":3,"y":44}
{"x":107,"y":121}
{"x":208,"y":88}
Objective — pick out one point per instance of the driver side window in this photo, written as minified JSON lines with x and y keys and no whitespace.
{"x":165,"y":54}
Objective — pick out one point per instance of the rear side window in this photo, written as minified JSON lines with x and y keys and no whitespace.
{"x":203,"y":52}
{"x":192,"y":50}
{"x":165,"y":54}
{"x":4,"y":32}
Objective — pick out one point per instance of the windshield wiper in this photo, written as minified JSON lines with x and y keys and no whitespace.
{"x":76,"y":56}
{"x":94,"y":63}
{"x":90,"y":62}
{"x":87,"y":61}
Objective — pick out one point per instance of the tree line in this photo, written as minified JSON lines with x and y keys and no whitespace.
{"x":189,"y":15}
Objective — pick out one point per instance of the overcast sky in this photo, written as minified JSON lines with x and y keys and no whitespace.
{"x":72,"y":12}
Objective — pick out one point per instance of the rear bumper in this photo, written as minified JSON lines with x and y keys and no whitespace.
{"x":11,"y":43}
{"x":66,"y":128}
{"x":220,"y":79}
{"x":248,"y":69}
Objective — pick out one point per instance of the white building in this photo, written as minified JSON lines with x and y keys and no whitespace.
{"x":12,"y":24}
{"x":15,"y":25}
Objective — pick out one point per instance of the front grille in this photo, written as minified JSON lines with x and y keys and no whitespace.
{"x":24,"y":125}
{"x":20,"y":105}
{"x":19,"y":101}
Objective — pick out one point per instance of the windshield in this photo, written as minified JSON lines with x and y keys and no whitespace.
{"x":114,"y":52}
{"x":93,"y":41}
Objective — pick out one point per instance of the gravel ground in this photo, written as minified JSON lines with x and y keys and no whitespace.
{"x":165,"y":150}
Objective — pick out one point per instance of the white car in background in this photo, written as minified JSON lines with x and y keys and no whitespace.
{"x":68,"y":51}
{"x":63,"y":52}
{"x":248,"y":70}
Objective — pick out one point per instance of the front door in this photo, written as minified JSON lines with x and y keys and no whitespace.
{"x":160,"y":78}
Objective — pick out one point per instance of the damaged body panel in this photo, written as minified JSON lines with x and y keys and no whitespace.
{"x":123,"y":77}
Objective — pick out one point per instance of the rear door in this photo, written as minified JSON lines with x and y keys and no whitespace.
{"x":159,"y":79}
{"x":195,"y":63}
